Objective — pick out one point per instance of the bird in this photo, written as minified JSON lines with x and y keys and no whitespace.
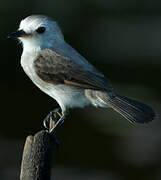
{"x":62,"y":73}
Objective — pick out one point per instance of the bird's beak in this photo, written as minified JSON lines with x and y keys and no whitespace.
{"x":19,"y":33}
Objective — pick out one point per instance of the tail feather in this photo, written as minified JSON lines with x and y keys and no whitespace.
{"x":132,"y":110}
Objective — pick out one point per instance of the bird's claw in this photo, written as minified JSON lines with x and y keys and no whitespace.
{"x":58,"y":123}
{"x":55,"y":117}
{"x":51,"y":117}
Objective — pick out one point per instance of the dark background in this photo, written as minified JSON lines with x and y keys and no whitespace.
{"x":122,"y":38}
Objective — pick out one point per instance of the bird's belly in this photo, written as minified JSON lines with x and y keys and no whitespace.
{"x":68,"y":97}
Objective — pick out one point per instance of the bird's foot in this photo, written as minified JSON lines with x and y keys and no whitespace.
{"x":52,"y":116}
{"x":58,"y":123}
{"x":53,"y":119}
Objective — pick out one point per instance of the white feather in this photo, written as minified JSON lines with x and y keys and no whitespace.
{"x":66,"y":96}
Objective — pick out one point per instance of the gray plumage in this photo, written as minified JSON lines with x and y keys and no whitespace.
{"x":57,"y":69}
{"x":61,"y":72}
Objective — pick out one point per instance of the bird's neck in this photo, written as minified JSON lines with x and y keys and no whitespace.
{"x":35,"y":46}
{"x":29,"y":47}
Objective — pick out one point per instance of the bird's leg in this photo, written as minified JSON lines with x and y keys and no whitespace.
{"x":59,"y":122}
{"x":53,"y":116}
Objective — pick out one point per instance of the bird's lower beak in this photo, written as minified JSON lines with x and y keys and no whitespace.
{"x":19,"y":33}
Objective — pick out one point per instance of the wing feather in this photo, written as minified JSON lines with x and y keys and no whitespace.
{"x":53,"y":68}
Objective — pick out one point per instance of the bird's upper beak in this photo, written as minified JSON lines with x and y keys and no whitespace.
{"x":19,"y":33}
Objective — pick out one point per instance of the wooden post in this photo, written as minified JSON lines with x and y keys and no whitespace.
{"x":36,"y":159}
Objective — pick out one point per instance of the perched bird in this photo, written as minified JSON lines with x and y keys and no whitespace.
{"x":62,"y":73}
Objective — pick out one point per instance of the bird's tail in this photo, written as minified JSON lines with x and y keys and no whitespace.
{"x":132,"y":110}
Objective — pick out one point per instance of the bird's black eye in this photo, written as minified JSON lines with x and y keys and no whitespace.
{"x":40,"y":30}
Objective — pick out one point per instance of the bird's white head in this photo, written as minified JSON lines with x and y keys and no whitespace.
{"x":37,"y":32}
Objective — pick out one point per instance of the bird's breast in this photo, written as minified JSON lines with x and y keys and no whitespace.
{"x":27,"y":63}
{"x":66,"y":96}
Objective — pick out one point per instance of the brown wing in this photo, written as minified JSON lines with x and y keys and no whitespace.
{"x":53,"y":68}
